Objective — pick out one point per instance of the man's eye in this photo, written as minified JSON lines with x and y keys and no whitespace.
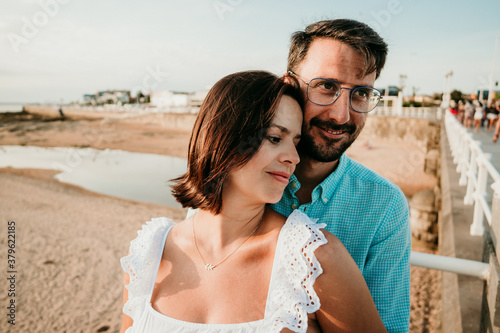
{"x":365,"y":93}
{"x":274,"y":139}
{"x":328,"y":85}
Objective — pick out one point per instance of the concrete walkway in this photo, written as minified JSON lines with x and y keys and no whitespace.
{"x":487,"y":145}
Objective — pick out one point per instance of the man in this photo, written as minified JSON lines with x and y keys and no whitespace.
{"x":336,"y":63}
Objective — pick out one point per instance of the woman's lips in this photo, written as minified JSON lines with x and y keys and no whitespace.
{"x":280,"y":176}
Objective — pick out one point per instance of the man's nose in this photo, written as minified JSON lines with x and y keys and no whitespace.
{"x":339,"y":111}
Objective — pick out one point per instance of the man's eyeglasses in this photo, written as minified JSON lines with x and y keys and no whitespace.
{"x":325,"y":92}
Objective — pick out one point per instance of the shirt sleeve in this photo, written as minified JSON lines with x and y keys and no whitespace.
{"x":387,"y":266}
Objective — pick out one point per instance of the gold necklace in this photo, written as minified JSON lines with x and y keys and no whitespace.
{"x":210,"y":267}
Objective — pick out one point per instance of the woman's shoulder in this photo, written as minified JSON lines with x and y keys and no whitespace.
{"x":331,"y":256}
{"x":328,"y":249}
{"x":313,"y":228}
{"x":154,"y":225}
{"x":158,"y":222}
{"x":149,"y":237}
{"x":333,"y":252}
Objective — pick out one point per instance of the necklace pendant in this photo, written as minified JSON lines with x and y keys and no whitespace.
{"x":209,"y":267}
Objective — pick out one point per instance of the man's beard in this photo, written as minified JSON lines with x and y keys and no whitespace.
{"x":332,"y":149}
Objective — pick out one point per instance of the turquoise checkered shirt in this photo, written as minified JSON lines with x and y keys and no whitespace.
{"x":369,"y":215}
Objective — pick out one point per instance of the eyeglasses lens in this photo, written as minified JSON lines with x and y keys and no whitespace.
{"x":325,"y":92}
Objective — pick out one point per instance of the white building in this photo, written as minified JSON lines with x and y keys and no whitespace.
{"x":172,"y":101}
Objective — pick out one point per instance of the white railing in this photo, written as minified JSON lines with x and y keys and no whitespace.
{"x":474,"y":166}
{"x":449,"y":264}
{"x":476,"y":172}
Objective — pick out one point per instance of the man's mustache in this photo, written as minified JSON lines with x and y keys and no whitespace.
{"x":332,"y":126}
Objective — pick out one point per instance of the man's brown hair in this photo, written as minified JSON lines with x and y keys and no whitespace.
{"x":356,"y":34}
{"x":228,"y":131}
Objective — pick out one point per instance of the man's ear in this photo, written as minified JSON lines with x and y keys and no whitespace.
{"x":287,"y":78}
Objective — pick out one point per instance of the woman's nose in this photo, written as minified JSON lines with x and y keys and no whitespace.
{"x":291,"y":155}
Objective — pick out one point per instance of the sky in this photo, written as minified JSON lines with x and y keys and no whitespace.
{"x":54,"y":51}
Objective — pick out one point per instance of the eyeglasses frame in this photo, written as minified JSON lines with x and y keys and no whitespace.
{"x":338,"y":93}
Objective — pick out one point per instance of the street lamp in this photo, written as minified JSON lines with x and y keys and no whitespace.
{"x":447,"y":90}
{"x":490,"y":89}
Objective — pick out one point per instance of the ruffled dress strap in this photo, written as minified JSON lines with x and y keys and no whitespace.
{"x":142,"y":264}
{"x":292,"y":295}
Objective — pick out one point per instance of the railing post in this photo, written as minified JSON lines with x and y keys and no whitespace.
{"x":458,"y":152}
{"x":471,"y":173}
{"x":495,"y":212}
{"x":453,"y":138}
{"x":491,"y":301}
{"x":492,"y":306}
{"x":477,"y":228}
{"x":463,"y":162}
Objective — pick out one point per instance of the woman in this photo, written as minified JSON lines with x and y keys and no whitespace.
{"x":491,"y":115}
{"x":236,"y":265}
{"x":478,"y":115}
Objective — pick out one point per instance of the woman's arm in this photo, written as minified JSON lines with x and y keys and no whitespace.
{"x":346,"y":303}
{"x":127,"y":321}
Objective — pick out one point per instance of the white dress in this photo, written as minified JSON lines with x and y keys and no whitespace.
{"x":479,"y":113}
{"x":290,"y":298}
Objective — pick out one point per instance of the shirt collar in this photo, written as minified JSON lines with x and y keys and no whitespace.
{"x":327,"y":187}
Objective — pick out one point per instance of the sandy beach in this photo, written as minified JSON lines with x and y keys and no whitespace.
{"x":69,"y":240}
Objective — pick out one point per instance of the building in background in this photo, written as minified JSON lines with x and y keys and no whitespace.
{"x":159,"y":101}
{"x":119,"y":97}
{"x":90,"y":99}
{"x":174,"y":101}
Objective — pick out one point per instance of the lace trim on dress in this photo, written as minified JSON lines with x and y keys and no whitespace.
{"x":291,"y":292}
{"x":144,"y":250}
{"x":293,"y":295}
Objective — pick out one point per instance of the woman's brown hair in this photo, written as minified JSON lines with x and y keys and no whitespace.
{"x":228,"y":131}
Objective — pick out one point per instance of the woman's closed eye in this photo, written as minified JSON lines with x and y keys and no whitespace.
{"x":274,"y":139}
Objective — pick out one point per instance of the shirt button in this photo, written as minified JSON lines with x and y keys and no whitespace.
{"x":294,"y":206}
{"x":325,"y":200}
{"x":294,"y":185}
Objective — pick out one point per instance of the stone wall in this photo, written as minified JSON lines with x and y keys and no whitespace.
{"x":414,"y":130}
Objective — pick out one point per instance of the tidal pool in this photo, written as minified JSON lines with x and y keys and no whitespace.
{"x":135,"y":176}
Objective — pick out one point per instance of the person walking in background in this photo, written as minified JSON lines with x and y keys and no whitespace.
{"x":468,"y":114}
{"x":478,"y":115}
{"x":335,"y":64}
{"x":491,"y":116}
{"x":461,"y":112}
{"x":454,"y":108}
